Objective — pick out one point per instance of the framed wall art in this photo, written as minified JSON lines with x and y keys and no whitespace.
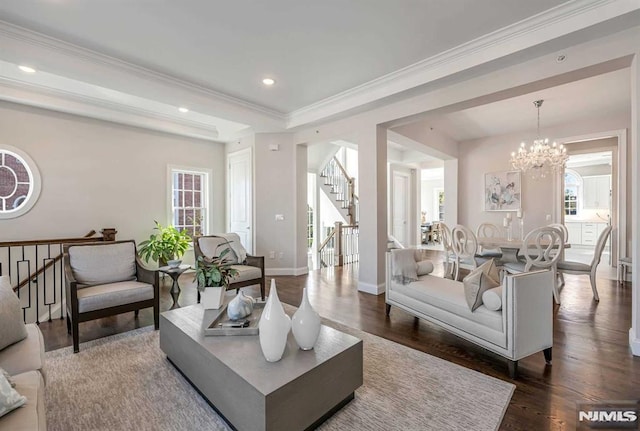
{"x":502,"y":191}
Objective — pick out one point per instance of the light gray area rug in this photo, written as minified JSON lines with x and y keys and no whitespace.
{"x":125,"y":382}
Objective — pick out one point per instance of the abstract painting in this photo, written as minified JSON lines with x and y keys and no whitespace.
{"x":502,"y":191}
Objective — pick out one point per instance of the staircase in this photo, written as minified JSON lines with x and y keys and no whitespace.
{"x":341,"y":244}
{"x":340,"y":187}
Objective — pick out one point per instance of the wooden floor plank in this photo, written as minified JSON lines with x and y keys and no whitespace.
{"x":591,"y":356}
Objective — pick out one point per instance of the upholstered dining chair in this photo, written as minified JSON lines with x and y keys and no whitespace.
{"x":465,"y":247}
{"x":570,"y":267}
{"x":449,"y":255}
{"x":542,"y":248}
{"x":489,"y":230}
{"x":104,"y":279}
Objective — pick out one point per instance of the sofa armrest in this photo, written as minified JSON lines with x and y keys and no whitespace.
{"x":529,"y":312}
{"x":257,"y":261}
{"x":145,"y":274}
{"x":70,"y":285}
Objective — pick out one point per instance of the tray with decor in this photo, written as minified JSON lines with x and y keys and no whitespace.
{"x":217,"y":322}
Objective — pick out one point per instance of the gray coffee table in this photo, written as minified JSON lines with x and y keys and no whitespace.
{"x":298,"y":392}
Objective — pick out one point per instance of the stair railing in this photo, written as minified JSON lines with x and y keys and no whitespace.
{"x":36,"y":273}
{"x":340,"y":246}
{"x":342,"y":186}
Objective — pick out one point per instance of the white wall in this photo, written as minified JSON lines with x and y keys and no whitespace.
{"x":492,"y":154}
{"x":280,"y":188}
{"x":98,"y":174}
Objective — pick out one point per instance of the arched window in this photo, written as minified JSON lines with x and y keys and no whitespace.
{"x":19,"y":182}
{"x":572,"y":192}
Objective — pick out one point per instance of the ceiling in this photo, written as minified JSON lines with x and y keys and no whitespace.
{"x":609,"y":93}
{"x":136,"y":61}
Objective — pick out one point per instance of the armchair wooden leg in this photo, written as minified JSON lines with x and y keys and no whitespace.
{"x":136,"y":313}
{"x":513,"y":369}
{"x":68,"y":325}
{"x":156,"y":316}
{"x":388,"y":309}
{"x":262,"y":282}
{"x":76,"y":336}
{"x":198,"y":297}
{"x":547,"y":355}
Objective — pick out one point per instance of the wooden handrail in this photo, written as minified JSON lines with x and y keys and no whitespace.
{"x":326,"y":240}
{"x":342,"y":169}
{"x":87,"y":238}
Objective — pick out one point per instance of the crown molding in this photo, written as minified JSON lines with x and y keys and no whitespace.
{"x":543,"y":27}
{"x":78,"y":104}
{"x":96,"y":59}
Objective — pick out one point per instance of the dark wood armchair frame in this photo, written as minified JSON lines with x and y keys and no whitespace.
{"x":74,"y":317}
{"x":256,"y":261}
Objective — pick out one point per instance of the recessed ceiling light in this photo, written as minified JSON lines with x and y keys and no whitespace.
{"x":268,"y":81}
{"x":561,"y":58}
{"x":183,"y":109}
{"x":27,"y":69}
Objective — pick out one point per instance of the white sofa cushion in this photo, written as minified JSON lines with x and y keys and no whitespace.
{"x":26,"y":355}
{"x":12,"y":328}
{"x":448,"y":295}
{"x":478,"y":282}
{"x":492,"y":298}
{"x":31,"y":416}
{"x":104,"y":263}
{"x":425,"y":267}
{"x":113,"y":294}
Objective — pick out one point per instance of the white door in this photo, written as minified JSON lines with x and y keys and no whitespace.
{"x":240,"y":198}
{"x":400,"y":207}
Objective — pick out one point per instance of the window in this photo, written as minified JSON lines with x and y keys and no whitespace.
{"x":572,"y":186}
{"x":189,"y":200}
{"x":19,"y":182}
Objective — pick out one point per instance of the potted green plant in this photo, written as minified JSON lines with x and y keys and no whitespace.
{"x":213,"y":276}
{"x":167,"y":245}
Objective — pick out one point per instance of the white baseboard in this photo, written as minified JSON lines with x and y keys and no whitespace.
{"x":286,"y":271}
{"x":371,"y":288}
{"x":634,"y":343}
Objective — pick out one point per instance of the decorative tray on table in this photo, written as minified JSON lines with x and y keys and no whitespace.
{"x":217,"y":322}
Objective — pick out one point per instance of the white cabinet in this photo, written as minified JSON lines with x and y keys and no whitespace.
{"x":584,"y":233}
{"x":596,"y":191}
{"x":575,"y":232}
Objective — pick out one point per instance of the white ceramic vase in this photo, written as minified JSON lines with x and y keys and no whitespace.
{"x":212,"y":298}
{"x":305,"y":324}
{"x":274,"y":327}
{"x":240,"y":306}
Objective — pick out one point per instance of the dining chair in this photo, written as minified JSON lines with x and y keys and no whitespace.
{"x":570,"y":267}
{"x":565,"y":235}
{"x":449,"y":255}
{"x":465,"y":247}
{"x":542,"y":248}
{"x":489,"y":230}
{"x":623,"y":264}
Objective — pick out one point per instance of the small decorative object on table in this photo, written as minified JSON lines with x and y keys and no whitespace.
{"x":213,"y":275}
{"x":241,"y":306}
{"x":274,"y":327}
{"x":305,"y":324}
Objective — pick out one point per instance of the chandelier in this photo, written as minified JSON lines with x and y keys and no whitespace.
{"x":541,"y":158}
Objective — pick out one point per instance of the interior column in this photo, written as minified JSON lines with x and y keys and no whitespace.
{"x":372,"y":194}
{"x":634,"y":332}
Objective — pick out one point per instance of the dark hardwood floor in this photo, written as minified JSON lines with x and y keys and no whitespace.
{"x":591,"y":356}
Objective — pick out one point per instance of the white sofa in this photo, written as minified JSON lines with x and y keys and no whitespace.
{"x":522,"y":327}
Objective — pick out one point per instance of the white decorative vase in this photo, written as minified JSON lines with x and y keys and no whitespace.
{"x":305,"y":324}
{"x":212,"y":298}
{"x":240,"y":306}
{"x":274,"y":327}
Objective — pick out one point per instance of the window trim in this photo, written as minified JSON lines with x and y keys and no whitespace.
{"x":579,"y":185}
{"x":34,"y":191}
{"x":206,"y":196}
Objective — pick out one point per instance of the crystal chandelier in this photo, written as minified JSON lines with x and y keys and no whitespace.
{"x":540,"y":158}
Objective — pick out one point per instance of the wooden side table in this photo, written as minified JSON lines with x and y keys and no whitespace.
{"x":174,"y":273}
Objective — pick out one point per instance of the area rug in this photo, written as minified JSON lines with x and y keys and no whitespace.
{"x":125,"y":382}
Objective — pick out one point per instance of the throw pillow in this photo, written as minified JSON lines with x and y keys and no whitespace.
{"x":10,"y":399}
{"x":476,"y":283}
{"x":424,"y":267}
{"x":492,"y":298}
{"x":8,"y":377}
{"x":12,"y":328}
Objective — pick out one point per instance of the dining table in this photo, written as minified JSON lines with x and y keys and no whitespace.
{"x":508,"y":247}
